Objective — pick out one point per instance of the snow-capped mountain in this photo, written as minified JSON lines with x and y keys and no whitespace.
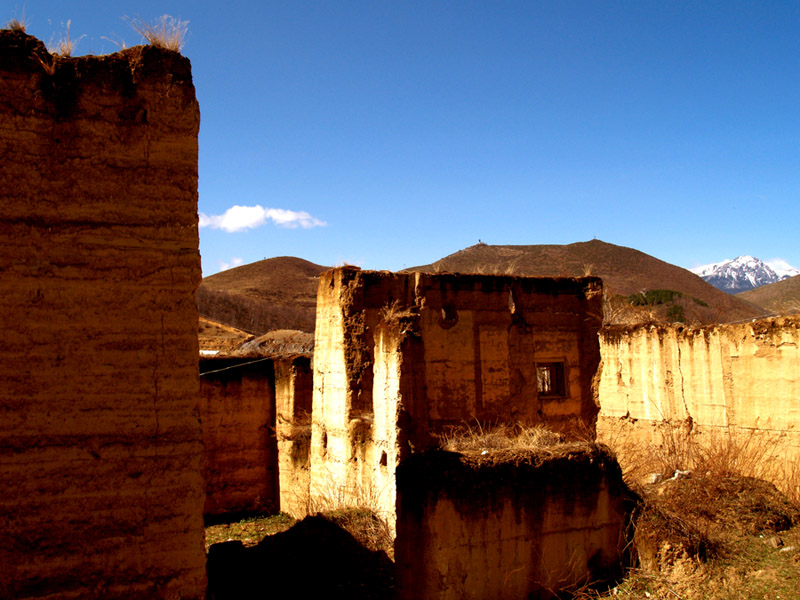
{"x":744,"y":273}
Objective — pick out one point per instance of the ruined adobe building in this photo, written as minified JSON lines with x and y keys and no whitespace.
{"x":100,"y":442}
{"x":400,"y":356}
{"x":740,"y":377}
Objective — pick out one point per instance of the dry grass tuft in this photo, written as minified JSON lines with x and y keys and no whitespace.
{"x":65,"y":45}
{"x":394,"y":311}
{"x":469,"y":438}
{"x":166,"y":32}
{"x":17,"y":25}
{"x":356,"y":509}
{"x":366,"y":527}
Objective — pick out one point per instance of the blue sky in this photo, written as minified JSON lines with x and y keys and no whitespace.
{"x":392,"y":133}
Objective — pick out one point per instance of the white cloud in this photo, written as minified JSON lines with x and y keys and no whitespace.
{"x":782,"y":267}
{"x":778,"y":263}
{"x":239,"y":218}
{"x":235,"y":262}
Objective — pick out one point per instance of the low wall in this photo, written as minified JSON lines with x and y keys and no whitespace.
{"x":238,"y":414}
{"x":100,"y":436}
{"x":508,"y":526}
{"x":732,"y":377}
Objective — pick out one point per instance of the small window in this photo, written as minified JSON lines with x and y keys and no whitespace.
{"x":550,"y":379}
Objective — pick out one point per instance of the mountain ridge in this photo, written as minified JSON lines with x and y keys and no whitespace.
{"x":625,"y":272}
{"x":741,"y":274}
{"x":280,"y":292}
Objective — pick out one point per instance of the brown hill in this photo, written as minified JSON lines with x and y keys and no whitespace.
{"x":213,"y":336}
{"x":780,"y":298}
{"x":624,"y":271}
{"x":276,"y":293}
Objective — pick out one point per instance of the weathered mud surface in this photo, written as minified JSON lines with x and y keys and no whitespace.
{"x":100,"y":444}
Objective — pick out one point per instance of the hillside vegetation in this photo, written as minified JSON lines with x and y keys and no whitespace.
{"x":780,"y":298}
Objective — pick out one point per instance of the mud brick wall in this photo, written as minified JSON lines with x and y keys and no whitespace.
{"x":741,"y":377}
{"x":400,"y":356}
{"x":509,"y":525}
{"x":100,"y":439}
{"x":293,"y":387}
{"x":241,"y":456}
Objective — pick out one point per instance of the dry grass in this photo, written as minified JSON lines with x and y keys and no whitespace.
{"x":64,"y":46}
{"x":16,"y":24}
{"x":368,"y":529}
{"x":356,"y":509}
{"x":477,"y":437}
{"x":646,"y":453}
{"x":165,"y":32}
{"x":338,"y":497}
{"x":722,"y":532}
{"x":394,"y":311}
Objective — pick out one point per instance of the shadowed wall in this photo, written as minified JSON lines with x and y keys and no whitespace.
{"x":100,"y":439}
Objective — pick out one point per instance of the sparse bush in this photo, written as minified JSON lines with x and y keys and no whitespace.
{"x":166,"y":32}
{"x":653,"y":297}
{"x":393,"y":311}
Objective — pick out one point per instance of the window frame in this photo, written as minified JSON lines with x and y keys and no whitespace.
{"x":558,"y":378}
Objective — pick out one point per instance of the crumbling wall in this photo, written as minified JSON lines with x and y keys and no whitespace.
{"x":401,"y":356}
{"x":510,"y":525}
{"x":293,"y":385}
{"x":100,"y":442}
{"x":737,"y":377}
{"x":241,"y":454}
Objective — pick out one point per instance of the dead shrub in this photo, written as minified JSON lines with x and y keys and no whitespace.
{"x":300,"y":428}
{"x":358,"y":510}
{"x":351,"y":496}
{"x":789,"y":480}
